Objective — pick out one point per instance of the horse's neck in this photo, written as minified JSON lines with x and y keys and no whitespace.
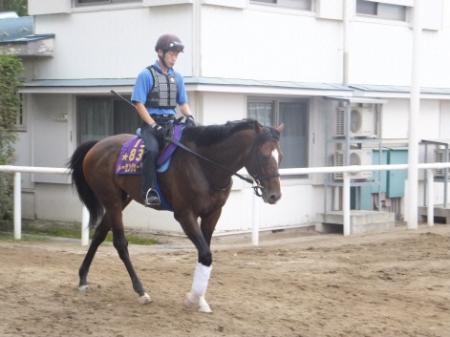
{"x":231,"y":153}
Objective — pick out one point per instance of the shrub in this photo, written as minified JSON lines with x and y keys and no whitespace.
{"x":10,"y":70}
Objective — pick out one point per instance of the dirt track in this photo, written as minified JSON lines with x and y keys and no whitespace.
{"x":395,"y":284}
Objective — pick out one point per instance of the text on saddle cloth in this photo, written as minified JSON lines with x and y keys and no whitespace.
{"x":132,"y":152}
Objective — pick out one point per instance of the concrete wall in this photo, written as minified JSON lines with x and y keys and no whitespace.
{"x":93,"y":42}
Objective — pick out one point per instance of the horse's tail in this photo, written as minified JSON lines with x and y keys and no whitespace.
{"x":85,"y":193}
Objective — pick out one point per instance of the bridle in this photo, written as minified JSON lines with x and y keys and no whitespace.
{"x":256,"y":177}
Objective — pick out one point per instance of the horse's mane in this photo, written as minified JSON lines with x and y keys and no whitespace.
{"x":207,"y":135}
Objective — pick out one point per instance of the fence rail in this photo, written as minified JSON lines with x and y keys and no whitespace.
{"x":346,"y":170}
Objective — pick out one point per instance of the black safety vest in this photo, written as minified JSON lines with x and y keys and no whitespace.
{"x":164,"y":91}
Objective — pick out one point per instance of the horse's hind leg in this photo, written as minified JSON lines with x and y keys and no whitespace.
{"x":121,"y":245}
{"x":99,"y":236}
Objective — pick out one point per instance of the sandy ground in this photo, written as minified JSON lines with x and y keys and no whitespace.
{"x":393,"y":284}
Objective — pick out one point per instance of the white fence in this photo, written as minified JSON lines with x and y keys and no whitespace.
{"x":18,"y":170}
{"x":346,"y":170}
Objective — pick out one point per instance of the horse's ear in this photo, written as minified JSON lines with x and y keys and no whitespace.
{"x":280,"y":128}
{"x":258,"y":127}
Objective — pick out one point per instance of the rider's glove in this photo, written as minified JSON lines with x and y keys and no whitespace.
{"x":158,"y":130}
{"x":190,"y":121}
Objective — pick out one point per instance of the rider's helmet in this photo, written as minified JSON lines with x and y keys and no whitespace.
{"x":168,"y":42}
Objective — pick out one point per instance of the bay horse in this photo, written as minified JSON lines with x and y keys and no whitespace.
{"x":195,"y":188}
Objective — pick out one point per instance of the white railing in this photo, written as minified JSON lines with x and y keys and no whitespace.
{"x":18,"y":170}
{"x":346,"y":170}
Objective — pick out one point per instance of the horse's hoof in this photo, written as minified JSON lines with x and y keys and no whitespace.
{"x":203,"y":306}
{"x":83,"y":289}
{"x":193,"y":302}
{"x":144,"y":299}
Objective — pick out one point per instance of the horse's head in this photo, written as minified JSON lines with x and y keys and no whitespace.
{"x":263,"y":162}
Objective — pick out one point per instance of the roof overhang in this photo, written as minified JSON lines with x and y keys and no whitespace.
{"x":357,"y":93}
{"x":193,"y":84}
{"x":35,"y":45}
{"x":392,"y":91}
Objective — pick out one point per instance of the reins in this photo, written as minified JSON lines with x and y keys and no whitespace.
{"x":258,"y":188}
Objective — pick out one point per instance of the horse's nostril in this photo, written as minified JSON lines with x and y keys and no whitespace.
{"x":274,"y":197}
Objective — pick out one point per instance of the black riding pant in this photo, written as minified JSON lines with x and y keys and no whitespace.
{"x":153,"y":144}
{"x":150,"y":155}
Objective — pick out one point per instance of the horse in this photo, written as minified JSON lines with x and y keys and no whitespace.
{"x":197,"y":185}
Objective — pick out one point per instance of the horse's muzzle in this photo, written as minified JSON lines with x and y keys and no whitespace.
{"x":272,"y":198}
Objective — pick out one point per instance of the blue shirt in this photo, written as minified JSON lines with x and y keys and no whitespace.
{"x":144,"y":83}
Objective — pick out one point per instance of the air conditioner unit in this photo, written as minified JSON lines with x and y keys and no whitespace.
{"x":439,"y":157}
{"x":362,"y":121}
{"x":357,"y":157}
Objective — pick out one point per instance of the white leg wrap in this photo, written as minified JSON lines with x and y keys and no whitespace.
{"x":201,"y":279}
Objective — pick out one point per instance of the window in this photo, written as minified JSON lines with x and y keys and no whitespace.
{"x":101,"y":2}
{"x":20,"y":117}
{"x":294,"y":115}
{"x":381,"y":10}
{"x":305,"y":5}
{"x":98,"y":117}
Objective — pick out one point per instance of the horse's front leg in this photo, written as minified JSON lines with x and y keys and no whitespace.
{"x":195,"y":299}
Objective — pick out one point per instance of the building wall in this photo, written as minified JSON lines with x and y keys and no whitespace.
{"x":247,"y":41}
{"x":110,"y":43}
{"x":260,"y":43}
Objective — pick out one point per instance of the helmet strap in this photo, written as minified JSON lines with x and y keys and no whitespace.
{"x":161,"y":59}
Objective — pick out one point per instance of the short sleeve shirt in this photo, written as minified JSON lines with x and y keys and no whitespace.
{"x":144,"y":83}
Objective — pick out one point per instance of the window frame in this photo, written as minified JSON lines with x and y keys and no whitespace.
{"x":406,"y":9}
{"x":77,"y":3}
{"x":110,"y":101}
{"x":275,"y":101}
{"x":312,"y":6}
{"x":21,"y":125}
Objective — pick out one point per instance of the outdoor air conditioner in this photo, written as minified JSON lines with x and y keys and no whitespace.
{"x":362,"y":121}
{"x":439,"y":157}
{"x":357,"y":157}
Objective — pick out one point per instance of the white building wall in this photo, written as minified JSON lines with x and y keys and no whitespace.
{"x":262,"y":43}
{"x":108,"y":43}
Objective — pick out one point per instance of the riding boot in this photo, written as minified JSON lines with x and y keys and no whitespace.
{"x":149,"y":193}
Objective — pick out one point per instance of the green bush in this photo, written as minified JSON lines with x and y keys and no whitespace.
{"x":10,"y":70}
{"x":18,"y":6}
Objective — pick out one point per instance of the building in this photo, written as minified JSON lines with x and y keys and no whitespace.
{"x":306,"y":63}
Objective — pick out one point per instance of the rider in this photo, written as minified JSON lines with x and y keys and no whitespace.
{"x":157,"y":92}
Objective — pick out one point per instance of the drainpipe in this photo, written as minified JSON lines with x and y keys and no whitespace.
{"x":413,"y":153}
{"x":196,"y":38}
{"x":347,"y":13}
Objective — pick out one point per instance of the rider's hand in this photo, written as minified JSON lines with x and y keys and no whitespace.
{"x":158,"y":130}
{"x":190,"y":121}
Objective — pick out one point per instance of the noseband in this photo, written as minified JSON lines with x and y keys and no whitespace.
{"x":258,"y":177}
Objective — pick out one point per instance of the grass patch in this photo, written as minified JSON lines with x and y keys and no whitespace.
{"x":37,"y":230}
{"x":9,"y":236}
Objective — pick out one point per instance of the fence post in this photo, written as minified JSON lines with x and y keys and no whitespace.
{"x":430,"y":193}
{"x":84,"y":226}
{"x":346,"y":204}
{"x":17,"y":206}
{"x":255,"y":220}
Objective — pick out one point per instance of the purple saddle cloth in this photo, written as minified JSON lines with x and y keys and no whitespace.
{"x":132,"y":153}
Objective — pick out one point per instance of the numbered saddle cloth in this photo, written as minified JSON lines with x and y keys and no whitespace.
{"x":132,"y":153}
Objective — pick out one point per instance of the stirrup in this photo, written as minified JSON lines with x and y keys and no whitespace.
{"x":155,"y":196}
